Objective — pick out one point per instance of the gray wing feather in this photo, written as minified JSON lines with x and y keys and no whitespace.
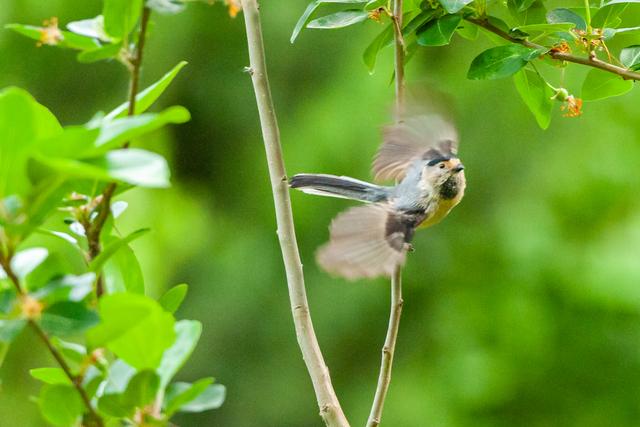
{"x":361,"y":244}
{"x":415,"y":138}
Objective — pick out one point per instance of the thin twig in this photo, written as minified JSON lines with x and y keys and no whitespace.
{"x":94,"y":231}
{"x":386,"y":364}
{"x":75,"y":381}
{"x":388,"y":350}
{"x":330,"y":409}
{"x":399,"y":57}
{"x":137,"y":62}
{"x":590,"y":61}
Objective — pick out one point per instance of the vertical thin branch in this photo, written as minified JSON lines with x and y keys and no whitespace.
{"x":386,"y":364}
{"x":399,"y":57}
{"x":330,"y":409}
{"x":75,"y":381}
{"x":95,"y":229}
{"x":137,"y":61}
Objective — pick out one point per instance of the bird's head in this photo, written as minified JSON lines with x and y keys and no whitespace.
{"x":439,"y":170}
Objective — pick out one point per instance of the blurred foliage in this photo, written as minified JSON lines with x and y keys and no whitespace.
{"x":528,"y":33}
{"x":522,"y":308}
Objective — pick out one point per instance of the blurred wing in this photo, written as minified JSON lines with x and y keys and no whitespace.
{"x":417,"y":137}
{"x":366,"y":241}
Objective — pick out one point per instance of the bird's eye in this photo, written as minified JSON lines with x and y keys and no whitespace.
{"x":441,"y":165}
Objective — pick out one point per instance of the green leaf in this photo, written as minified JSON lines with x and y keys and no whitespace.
{"x":630,"y":57}
{"x":375,"y":4}
{"x":10,"y":328}
{"x":608,"y":16}
{"x":4,"y":349}
{"x":601,"y":84}
{"x":50,"y":375}
{"x":108,"y":51}
{"x":111,"y":404}
{"x":610,"y":32}
{"x":127,"y":390}
{"x":68,"y":288}
{"x":172,"y":299}
{"x":113,"y":247}
{"x":67,"y":318}
{"x":122,"y":272}
{"x":497,"y":22}
{"x":60,"y":405}
{"x":114,"y":133}
{"x":8,"y":298}
{"x":414,"y":22}
{"x":385,"y":38}
{"x":439,"y":31}
{"x":77,"y":142}
{"x":93,"y":379}
{"x":120,"y":16}
{"x":563,"y":15}
{"x":212,"y":398}
{"x":546,"y":28}
{"x":60,"y":235}
{"x":536,"y":95}
{"x":501,"y":61}
{"x":67,"y":39}
{"x":468,"y":31}
{"x":167,"y":7}
{"x":147,"y":97}
{"x":119,"y":375}
{"x":142,"y":389}
{"x":70,"y":350}
{"x":534,"y":13}
{"x":72,"y":142}
{"x":134,"y":327}
{"x":93,"y":28}
{"x":24,"y":262}
{"x":306,"y":16}
{"x":339,"y":19}
{"x":180,"y":394}
{"x":522,"y":5}
{"x":454,"y":6}
{"x":370,"y":55}
{"x":22,"y":123}
{"x":187,"y":335}
{"x":132,"y":166}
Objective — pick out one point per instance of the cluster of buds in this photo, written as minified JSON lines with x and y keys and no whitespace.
{"x":376,"y":14}
{"x":31,"y":308}
{"x":592,"y":40}
{"x":83,"y":210}
{"x":50,"y":34}
{"x":562,"y":47}
{"x":234,"y":7}
{"x":570,"y":104}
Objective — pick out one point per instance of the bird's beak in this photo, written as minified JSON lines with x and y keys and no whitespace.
{"x":458,"y":168}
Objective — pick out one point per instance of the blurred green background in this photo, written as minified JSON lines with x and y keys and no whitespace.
{"x":521,"y":309}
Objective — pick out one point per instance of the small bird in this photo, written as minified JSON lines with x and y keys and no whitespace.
{"x":420,"y":154}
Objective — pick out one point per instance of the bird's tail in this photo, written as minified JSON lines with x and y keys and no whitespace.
{"x":338,"y":186}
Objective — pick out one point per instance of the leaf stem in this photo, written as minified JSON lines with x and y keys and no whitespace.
{"x":75,"y":381}
{"x":95,"y":229}
{"x":388,"y":350}
{"x":330,"y":409}
{"x":590,"y":61}
{"x":587,"y":9}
